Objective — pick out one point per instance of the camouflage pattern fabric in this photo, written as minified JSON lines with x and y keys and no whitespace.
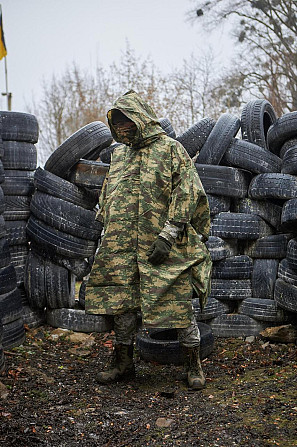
{"x":125,"y":326}
{"x":190,"y":337}
{"x":125,"y":331}
{"x":150,"y":181}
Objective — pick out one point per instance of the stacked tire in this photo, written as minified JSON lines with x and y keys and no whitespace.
{"x":282,"y":140}
{"x":62,"y":228}
{"x":19,"y":133}
{"x":4,"y":249}
{"x":2,"y":357}
{"x":246,"y":191}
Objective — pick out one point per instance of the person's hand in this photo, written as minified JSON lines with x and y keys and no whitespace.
{"x":159,"y":251}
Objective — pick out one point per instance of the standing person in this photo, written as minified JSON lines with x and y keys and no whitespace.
{"x":156,"y":220}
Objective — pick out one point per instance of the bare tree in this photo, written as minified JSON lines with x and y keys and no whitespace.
{"x":267,"y":32}
{"x":199,"y":89}
{"x":77,"y":98}
{"x":185,"y":95}
{"x":67,"y":103}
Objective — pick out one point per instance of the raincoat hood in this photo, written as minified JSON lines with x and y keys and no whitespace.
{"x":138,"y":111}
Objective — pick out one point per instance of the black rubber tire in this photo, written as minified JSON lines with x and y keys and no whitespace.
{"x":18,"y":183}
{"x":33,"y":318}
{"x":285,"y":128}
{"x":218,"y":204}
{"x":19,"y":254}
{"x":236,"y":325}
{"x":256,"y":118}
{"x":106,"y":154}
{"x":224,"y":180}
{"x":65,"y":216}
{"x":264,"y":277}
{"x":166,"y":125}
{"x":3,"y":232}
{"x":5,"y":258}
{"x":2,"y":201}
{"x":286,"y":273}
{"x":89,"y":174}
{"x":13,"y":334}
{"x":268,"y":247}
{"x":195,"y":137}
{"x":239,"y":226}
{"x":286,"y":146}
{"x":235,"y":267}
{"x":58,"y":241}
{"x":292,"y":253}
{"x":8,"y":280}
{"x":16,"y":232}
{"x":59,"y":287}
{"x":2,"y":173}
{"x":79,"y":267}
{"x":86,"y":143}
{"x":82,"y":293}
{"x":285,"y":295}
{"x":10,"y":306}
{"x":78,"y":320}
{"x":219,"y":139}
{"x":289,"y":217}
{"x":162,"y":345}
{"x":269,"y":212}
{"x":1,"y":148}
{"x":289,"y":164}
{"x":262,"y":310}
{"x":23,"y":293}
{"x":2,"y":356}
{"x":221,"y":249}
{"x":49,"y":183}
{"x":249,"y":156}
{"x":17,"y":207}
{"x":212,"y":309}
{"x":19,"y":155}
{"x":231,"y":289}
{"x":34,"y":281}
{"x":19,"y":126}
{"x":273,"y":186}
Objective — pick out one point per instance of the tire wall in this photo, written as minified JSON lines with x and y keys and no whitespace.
{"x":19,"y":133}
{"x":63,"y":232}
{"x":253,"y":241}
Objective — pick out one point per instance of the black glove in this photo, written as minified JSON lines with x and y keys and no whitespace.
{"x":159,"y":251}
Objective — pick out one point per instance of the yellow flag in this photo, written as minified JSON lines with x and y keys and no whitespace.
{"x":3,"y":51}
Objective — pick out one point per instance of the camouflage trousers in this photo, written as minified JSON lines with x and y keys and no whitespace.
{"x":125,"y":331}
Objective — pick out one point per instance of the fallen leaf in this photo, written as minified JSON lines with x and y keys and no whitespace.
{"x":79,"y":352}
{"x":164,"y":422}
{"x":3,"y":391}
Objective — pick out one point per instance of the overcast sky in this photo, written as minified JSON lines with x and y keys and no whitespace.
{"x":43,"y":37}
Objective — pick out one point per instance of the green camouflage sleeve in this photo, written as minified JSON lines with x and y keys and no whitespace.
{"x":102,"y":198}
{"x":189,"y":202}
{"x":201,"y":217}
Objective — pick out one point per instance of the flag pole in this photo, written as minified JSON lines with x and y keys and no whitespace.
{"x":8,"y":95}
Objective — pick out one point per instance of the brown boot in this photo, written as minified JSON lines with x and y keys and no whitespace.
{"x":123,"y":365}
{"x":196,"y":379}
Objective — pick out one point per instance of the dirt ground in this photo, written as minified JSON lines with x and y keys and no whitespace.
{"x":53,"y":399}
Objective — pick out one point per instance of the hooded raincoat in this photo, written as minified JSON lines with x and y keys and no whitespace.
{"x":150,"y":181}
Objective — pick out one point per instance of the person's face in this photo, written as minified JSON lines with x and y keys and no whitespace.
{"x":125,"y":130}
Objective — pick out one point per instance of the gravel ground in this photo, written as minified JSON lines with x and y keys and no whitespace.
{"x":50,"y":397}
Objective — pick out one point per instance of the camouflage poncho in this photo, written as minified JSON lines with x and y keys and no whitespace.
{"x":149,"y":182}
